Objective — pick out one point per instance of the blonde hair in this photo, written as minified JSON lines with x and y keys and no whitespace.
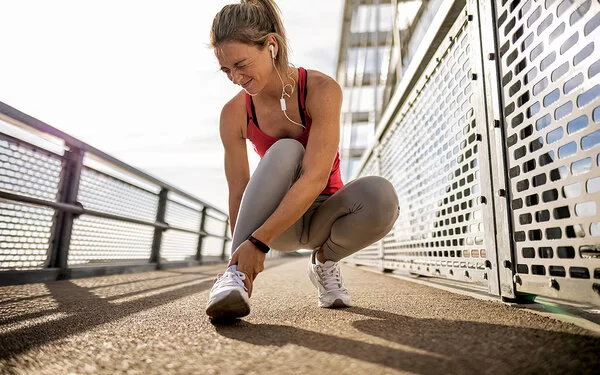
{"x":251,"y":22}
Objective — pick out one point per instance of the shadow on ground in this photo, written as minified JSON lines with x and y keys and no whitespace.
{"x":434,"y":346}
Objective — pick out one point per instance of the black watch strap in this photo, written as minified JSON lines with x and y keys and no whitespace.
{"x":259,"y":244}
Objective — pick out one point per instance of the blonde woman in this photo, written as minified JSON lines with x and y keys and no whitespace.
{"x":296,"y":198}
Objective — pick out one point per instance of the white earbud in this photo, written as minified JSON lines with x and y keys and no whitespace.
{"x":272,"y":49}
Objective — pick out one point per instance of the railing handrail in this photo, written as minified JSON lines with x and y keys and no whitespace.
{"x":73,"y":142}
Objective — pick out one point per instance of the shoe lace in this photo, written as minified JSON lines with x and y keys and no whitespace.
{"x":231,"y":278}
{"x":331,"y":277}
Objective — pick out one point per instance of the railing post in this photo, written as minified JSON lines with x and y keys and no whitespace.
{"x":63,"y":224}
{"x":201,"y":237}
{"x":225,"y":240}
{"x":158,"y":232}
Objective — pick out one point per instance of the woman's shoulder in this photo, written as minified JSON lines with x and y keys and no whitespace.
{"x":320,"y":84}
{"x":233,"y":114}
{"x":316,"y":77}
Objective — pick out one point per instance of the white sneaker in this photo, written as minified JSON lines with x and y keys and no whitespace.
{"x":329,"y":283}
{"x":229,"y":297}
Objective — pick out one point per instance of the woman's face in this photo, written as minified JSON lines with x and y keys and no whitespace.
{"x":245,"y":65}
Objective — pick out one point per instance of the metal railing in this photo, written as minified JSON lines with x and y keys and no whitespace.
{"x":70,"y":210}
{"x":492,"y":143}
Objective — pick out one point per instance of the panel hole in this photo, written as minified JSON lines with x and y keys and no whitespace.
{"x":555,"y":135}
{"x":593,"y":185}
{"x":520,"y":152}
{"x":558,"y":173}
{"x":524,"y":9}
{"x":572,"y":191}
{"x":594,"y":68}
{"x":545,"y":252}
{"x":539,"y":180}
{"x":580,"y":12}
{"x":538,"y":269}
{"x":552,"y":97}
{"x":514,"y":88}
{"x":507,"y":78}
{"x":583,"y":54}
{"x":517,"y":204}
{"x":557,"y":32}
{"x":534,"y":16}
{"x":533,"y":110}
{"x":504,"y":48}
{"x":597,"y":270}
{"x":592,"y":24}
{"x":547,"y":158}
{"x":562,"y":213}
{"x":511,"y":58}
{"x":512,"y":140}
{"x":574,"y":231}
{"x":514,"y":4}
{"x":502,"y":18}
{"x":526,"y":132}
{"x":536,"y":144}
{"x":528,"y":252}
{"x":509,"y":26}
{"x":522,"y":269}
{"x":578,"y":124}
{"x":581,"y":166}
{"x":569,"y":43}
{"x":540,"y":86}
{"x":530,"y":76}
{"x":536,"y":52}
{"x":527,"y":42}
{"x":525,"y":219}
{"x":563,"y":7}
{"x":553,"y":233}
{"x":520,"y":66}
{"x":567,"y":150}
{"x":543,"y":122}
{"x":532,"y":200}
{"x":588,"y":96}
{"x":595,"y":229}
{"x":517,"y":34}
{"x":579,"y":273}
{"x":565,"y":252}
{"x":542,"y":216}
{"x":547,"y":61}
{"x":573,"y":83}
{"x":523,"y":98}
{"x":545,"y":24}
{"x":585,"y":209}
{"x":522,"y":185}
{"x":560,"y":71}
{"x":589,"y":251}
{"x":590,"y":141}
{"x":529,"y":165}
{"x":519,"y":236}
{"x":557,"y":271}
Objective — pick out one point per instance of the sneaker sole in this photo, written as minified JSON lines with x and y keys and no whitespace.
{"x":231,"y":306}
{"x":337,"y":304}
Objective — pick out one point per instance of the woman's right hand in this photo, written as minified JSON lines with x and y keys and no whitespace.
{"x":250,"y":260}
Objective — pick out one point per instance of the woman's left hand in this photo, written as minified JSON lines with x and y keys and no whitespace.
{"x":250,"y":261}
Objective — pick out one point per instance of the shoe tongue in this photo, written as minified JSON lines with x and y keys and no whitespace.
{"x":328,"y":263}
{"x":232,"y":268}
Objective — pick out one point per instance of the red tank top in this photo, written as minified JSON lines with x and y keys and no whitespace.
{"x":262,"y":142}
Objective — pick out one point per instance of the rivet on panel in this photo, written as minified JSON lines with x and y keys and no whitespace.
{"x":451,"y":272}
{"x":502,"y":193}
{"x":552,"y":283}
{"x":467,"y":274}
{"x":491,"y":56}
{"x":496,"y":123}
{"x":507,"y":263}
{"x":488,"y":264}
{"x":517,"y":279}
{"x":474,"y":76}
{"x":470,"y":17}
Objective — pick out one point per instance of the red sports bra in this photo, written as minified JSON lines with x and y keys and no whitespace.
{"x":262,"y":142}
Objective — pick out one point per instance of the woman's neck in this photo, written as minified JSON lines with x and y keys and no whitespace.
{"x":273,"y":89}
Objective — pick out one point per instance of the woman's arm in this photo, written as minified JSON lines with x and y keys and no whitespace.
{"x":324,"y":103}
{"x":237,"y":170}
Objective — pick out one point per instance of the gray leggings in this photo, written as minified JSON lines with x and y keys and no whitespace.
{"x":359,"y":214}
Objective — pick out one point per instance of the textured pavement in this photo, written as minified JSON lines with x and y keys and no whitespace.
{"x":154,"y":323}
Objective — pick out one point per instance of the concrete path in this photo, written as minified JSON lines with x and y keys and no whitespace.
{"x":154,"y":323}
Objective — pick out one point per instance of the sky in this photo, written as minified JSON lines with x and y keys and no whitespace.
{"x":138,"y":80}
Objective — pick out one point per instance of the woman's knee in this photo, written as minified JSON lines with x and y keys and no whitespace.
{"x":286,"y":149}
{"x":381,"y":198}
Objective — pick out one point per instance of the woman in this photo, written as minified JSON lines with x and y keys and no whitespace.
{"x":295,"y":199}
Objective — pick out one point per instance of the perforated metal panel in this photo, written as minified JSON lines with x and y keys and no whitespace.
{"x":178,"y":246}
{"x":432,"y":155}
{"x":550,"y":69}
{"x":101,"y":192}
{"x":25,"y":230}
{"x":182,"y":216}
{"x":97,"y":240}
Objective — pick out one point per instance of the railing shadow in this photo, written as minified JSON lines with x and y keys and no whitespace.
{"x":434,"y":346}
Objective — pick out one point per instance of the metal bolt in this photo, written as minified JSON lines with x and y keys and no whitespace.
{"x":491,"y":56}
{"x":478,"y":137}
{"x":467,"y":274}
{"x":470,"y":17}
{"x":474,"y":76}
{"x":502,"y":193}
{"x":450,"y":38}
{"x":485,"y":276}
{"x":496,"y":123}
{"x":507,"y":263}
{"x":552,"y":283}
{"x":517,"y":279}
{"x":488,"y":264}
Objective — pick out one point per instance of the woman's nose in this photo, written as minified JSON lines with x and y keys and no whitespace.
{"x":236,"y":77}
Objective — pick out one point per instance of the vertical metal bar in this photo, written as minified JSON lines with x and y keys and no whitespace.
{"x":69,"y":189}
{"x":158,"y":232}
{"x":201,"y":236}
{"x":225,"y":240}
